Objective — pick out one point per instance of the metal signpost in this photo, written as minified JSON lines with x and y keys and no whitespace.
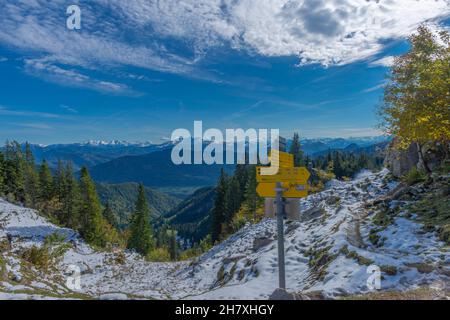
{"x":290,"y":182}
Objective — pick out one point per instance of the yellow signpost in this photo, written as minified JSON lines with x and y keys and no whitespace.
{"x":299,"y":175}
{"x":290,"y":190}
{"x":289,"y":182}
{"x":294,"y":180}
{"x":285,"y":160}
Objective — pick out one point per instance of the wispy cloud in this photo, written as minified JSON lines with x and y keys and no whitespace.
{"x":375,"y":88}
{"x":68,"y":108}
{"x":20,"y":113}
{"x":40,"y":126}
{"x":383,"y":62}
{"x":3,"y":59}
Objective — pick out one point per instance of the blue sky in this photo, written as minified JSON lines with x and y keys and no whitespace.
{"x":138,"y":70}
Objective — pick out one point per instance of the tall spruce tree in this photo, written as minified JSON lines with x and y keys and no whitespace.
{"x":296,"y":150}
{"x":173,"y":245}
{"x":110,"y":216}
{"x":71,"y":199}
{"x":45,"y":183}
{"x":141,"y":235}
{"x":220,"y":208}
{"x":31,"y":181}
{"x":251,"y":196}
{"x":233,"y":199}
{"x":14,"y":177}
{"x":2,"y":174}
{"x":92,"y":224}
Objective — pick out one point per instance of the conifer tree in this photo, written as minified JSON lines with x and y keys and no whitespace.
{"x":251,"y":196}
{"x":219,"y":209}
{"x":71,"y":199}
{"x":173,"y":245}
{"x":233,"y":199}
{"x":109,"y":215}
{"x":2,"y":173}
{"x":141,"y":237}
{"x":14,"y":181}
{"x":45,"y":182}
{"x":296,"y":150}
{"x":92,"y":224}
{"x":31,"y":182}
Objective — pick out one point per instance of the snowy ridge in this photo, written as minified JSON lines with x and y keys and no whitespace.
{"x":328,"y":251}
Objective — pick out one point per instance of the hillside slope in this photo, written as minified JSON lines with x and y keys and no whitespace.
{"x":328,"y":251}
{"x":157,"y":170}
{"x":122,"y":198}
{"x":191,"y":218}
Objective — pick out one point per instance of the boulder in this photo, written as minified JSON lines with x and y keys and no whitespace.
{"x":400,"y":162}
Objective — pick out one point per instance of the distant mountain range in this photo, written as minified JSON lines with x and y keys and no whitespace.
{"x":91,"y":153}
{"x":317,"y":146}
{"x":94,"y":152}
{"x":157,"y":170}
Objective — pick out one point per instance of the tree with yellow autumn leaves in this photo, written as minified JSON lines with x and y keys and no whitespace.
{"x":416,"y":106}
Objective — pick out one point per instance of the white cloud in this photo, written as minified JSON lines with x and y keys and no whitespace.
{"x":383,"y":62}
{"x":148,"y":33}
{"x":318,"y":31}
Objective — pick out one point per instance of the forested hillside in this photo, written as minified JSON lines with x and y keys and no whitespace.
{"x":122,"y":197}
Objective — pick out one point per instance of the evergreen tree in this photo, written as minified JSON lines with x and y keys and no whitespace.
{"x":141,"y":238}
{"x":92,"y":223}
{"x":110,"y":216}
{"x":219,"y":209}
{"x":2,"y":174}
{"x":173,"y":245}
{"x":14,"y":177}
{"x":296,"y":150}
{"x":45,"y":183}
{"x":71,"y":199}
{"x":233,"y":199}
{"x":251,"y":196}
{"x":31,"y":182}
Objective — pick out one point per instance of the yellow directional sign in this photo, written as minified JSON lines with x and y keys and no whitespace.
{"x":297,"y":175}
{"x":285,"y":160}
{"x":291,"y":190}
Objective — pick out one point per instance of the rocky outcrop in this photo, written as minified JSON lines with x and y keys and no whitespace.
{"x":400,"y":162}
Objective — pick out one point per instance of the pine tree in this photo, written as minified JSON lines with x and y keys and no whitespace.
{"x":45,"y":183}
{"x":141,"y":237}
{"x":233,"y":199}
{"x":14,"y":178}
{"x":110,"y":216}
{"x":2,"y":174}
{"x":219,"y":209}
{"x":296,"y":150}
{"x":251,"y":196}
{"x":92,"y":223}
{"x":71,"y":199}
{"x":173,"y":245}
{"x":31,"y":183}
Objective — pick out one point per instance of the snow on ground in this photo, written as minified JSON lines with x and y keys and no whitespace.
{"x":327,"y":250}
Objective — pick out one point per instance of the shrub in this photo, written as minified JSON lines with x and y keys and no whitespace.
{"x":37,"y":256}
{"x":414,"y":176}
{"x":159,"y":255}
